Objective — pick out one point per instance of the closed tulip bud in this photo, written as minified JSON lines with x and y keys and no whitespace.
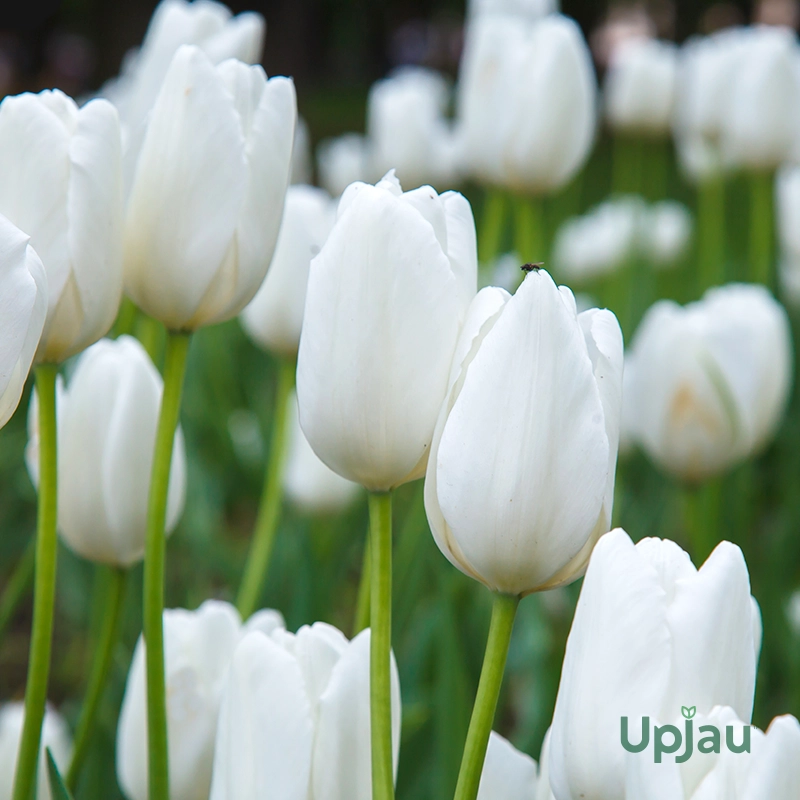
{"x":309,"y":484}
{"x":527,"y":101}
{"x":665,"y":233}
{"x":62,"y":186}
{"x":710,"y":380}
{"x":23,"y":309}
{"x":207,"y":198}
{"x":295,"y":720}
{"x":650,"y":634}
{"x":274,"y":317}
{"x":198,"y":647}
{"x":640,"y":87}
{"x":55,"y":735}
{"x":507,"y":774}
{"x":342,"y":161}
{"x":407,"y":128}
{"x":520,"y":479}
{"x":108,"y":415}
{"x":386,"y":299}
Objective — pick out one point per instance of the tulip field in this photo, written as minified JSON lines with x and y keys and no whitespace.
{"x":444,"y":445}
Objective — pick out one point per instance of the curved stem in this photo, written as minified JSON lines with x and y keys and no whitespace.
{"x":492,"y":225}
{"x":761,"y":233}
{"x":155,"y":553}
{"x":711,"y":232}
{"x":380,"y":519}
{"x":44,"y":585}
{"x":98,"y":677}
{"x":269,"y":511}
{"x":17,"y":586}
{"x":504,"y":610}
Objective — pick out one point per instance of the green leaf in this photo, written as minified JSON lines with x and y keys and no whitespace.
{"x":58,"y":788}
{"x":688,"y":712}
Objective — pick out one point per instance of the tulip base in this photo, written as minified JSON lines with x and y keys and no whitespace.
{"x":44,"y":585}
{"x":380,"y":546}
{"x":504,"y":611}
{"x":155,"y":556}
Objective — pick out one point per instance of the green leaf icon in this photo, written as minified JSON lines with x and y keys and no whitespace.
{"x":688,"y":712}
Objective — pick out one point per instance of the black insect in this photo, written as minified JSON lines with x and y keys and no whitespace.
{"x":532,"y":267}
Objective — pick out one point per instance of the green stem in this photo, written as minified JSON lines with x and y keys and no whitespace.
{"x":44,"y":585}
{"x":150,"y":332}
{"x":98,"y":677}
{"x":126,"y":318}
{"x":711,"y":232}
{"x":17,"y":586}
{"x":492,"y":226}
{"x":504,"y":610}
{"x":269,"y":511}
{"x":761,"y":224}
{"x":380,"y":517}
{"x":529,"y":230}
{"x":155,"y":556}
{"x":657,"y":169}
{"x":702,"y":508}
{"x":627,"y":167}
{"x":364,"y":590}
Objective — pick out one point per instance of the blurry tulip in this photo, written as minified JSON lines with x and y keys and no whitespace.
{"x":386,"y":299}
{"x":198,"y":647}
{"x":530,"y":9}
{"x":23,"y":309}
{"x":407,"y":128}
{"x":640,"y":87}
{"x":295,"y":721}
{"x":207,"y":197}
{"x":665,"y":233}
{"x":527,"y":101}
{"x":507,"y":774}
{"x":342,"y":161}
{"x":302,"y":168}
{"x":308,"y":483}
{"x":62,"y":185}
{"x":107,"y":417}
{"x":651,"y":633}
{"x":710,"y":380}
{"x":55,"y":735}
{"x":274,"y":317}
{"x":520,"y":479}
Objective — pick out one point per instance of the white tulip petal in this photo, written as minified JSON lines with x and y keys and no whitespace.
{"x":507,"y":773}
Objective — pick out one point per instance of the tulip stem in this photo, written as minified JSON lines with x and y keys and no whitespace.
{"x":493,"y":218}
{"x":761,"y":233}
{"x":504,"y":610}
{"x":17,"y":586}
{"x":380,"y":518}
{"x":364,"y":590}
{"x":529,"y":239}
{"x":101,"y":665}
{"x":44,"y":594}
{"x":269,"y":510}
{"x":702,"y":507}
{"x":155,"y":556}
{"x":711,"y":233}
{"x":627,"y":165}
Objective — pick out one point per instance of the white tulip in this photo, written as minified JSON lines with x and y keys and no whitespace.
{"x":61,"y":184}
{"x":520,"y":479}
{"x":386,"y":299}
{"x":407,"y":127}
{"x":640,"y":87}
{"x":651,"y":634}
{"x":307,"y":482}
{"x":665,"y":233}
{"x":295,"y":718}
{"x":342,"y":161}
{"x":23,"y":309}
{"x":507,"y":773}
{"x":274,"y":317}
{"x":711,"y":380}
{"x":198,"y":647}
{"x":527,"y":101}
{"x":55,"y":735}
{"x":207,"y":198}
{"x":527,"y":9}
{"x":107,"y":419}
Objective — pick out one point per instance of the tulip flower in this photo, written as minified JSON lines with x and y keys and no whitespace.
{"x":640,"y":87}
{"x":651,"y":634}
{"x":342,"y":161}
{"x":295,"y":718}
{"x":23,"y":309}
{"x":407,"y":128}
{"x":665,"y":233}
{"x":710,"y":380}
{"x":55,"y":735}
{"x":309,"y":484}
{"x":274,"y":317}
{"x":507,"y":774}
{"x":198,"y":646}
{"x":71,"y":207}
{"x":206,"y":202}
{"x":529,"y":9}
{"x":107,"y":429}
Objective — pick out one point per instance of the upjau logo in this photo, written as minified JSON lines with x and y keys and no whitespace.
{"x":669,"y":738}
